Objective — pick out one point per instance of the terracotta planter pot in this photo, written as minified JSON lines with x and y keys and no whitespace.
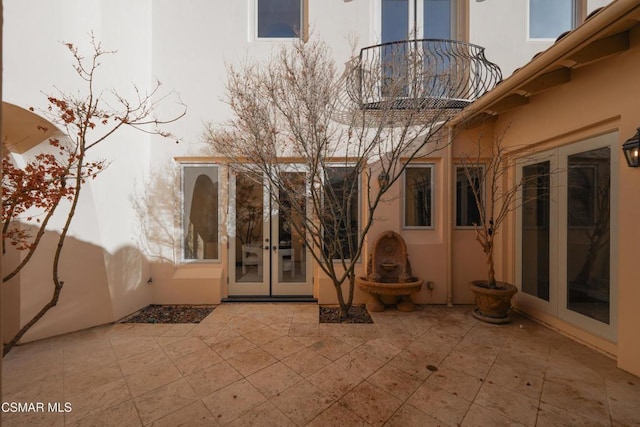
{"x":493,"y":304}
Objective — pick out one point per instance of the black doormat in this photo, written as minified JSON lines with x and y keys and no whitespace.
{"x":357,"y":314}
{"x":170,"y":314}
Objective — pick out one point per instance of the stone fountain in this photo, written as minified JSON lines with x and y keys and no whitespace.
{"x":389,"y":274}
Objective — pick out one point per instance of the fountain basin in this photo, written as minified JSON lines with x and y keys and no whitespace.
{"x":378,"y":290}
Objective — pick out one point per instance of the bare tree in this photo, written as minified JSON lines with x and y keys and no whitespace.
{"x":295,"y":109}
{"x":87,"y":119}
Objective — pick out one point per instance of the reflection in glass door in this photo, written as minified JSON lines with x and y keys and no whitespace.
{"x":588,"y":234}
{"x":267,"y":250}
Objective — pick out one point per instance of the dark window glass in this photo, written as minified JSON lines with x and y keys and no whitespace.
{"x":279,"y":18}
{"x":341,"y":214}
{"x":418,"y":196}
{"x":467,"y":214}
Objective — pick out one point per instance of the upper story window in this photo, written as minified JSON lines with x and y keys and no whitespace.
{"x":279,"y":18}
{"x":200,"y":222}
{"x":418,"y":196}
{"x":550,"y":18}
{"x":417,"y":19}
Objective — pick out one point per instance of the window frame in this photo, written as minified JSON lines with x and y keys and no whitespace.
{"x":457,"y":167}
{"x":254,"y":20}
{"x":183,"y":216}
{"x":432,"y":218}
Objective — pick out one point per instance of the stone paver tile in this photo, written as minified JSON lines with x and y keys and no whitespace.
{"x":304,"y":330}
{"x":122,"y":414}
{"x":194,"y":415}
{"x":332,"y":348}
{"x":360,"y":363}
{"x":520,"y":380}
{"x":222,"y":335}
{"x":197,"y":361}
{"x":156,"y":404}
{"x":152,"y":378}
{"x":263,"y":335}
{"x":283,"y":347}
{"x":86,"y":381}
{"x":467,"y":363}
{"x":334,"y":380}
{"x":102,"y":397}
{"x":88,"y":361}
{"x":415,"y":361}
{"x":232,"y":401}
{"x":306,"y":362}
{"x":33,"y":419}
{"x":409,"y":416}
{"x":170,"y":339}
{"x":518,"y":407}
{"x":131,"y":346}
{"x":371,"y":403}
{"x":207,"y":330}
{"x":265,"y":414}
{"x":550,"y":415}
{"x":213,"y":378}
{"x":183,"y":347}
{"x":302,"y":402}
{"x":142,"y":361}
{"x":310,"y":318}
{"x":481,"y":416}
{"x":233,"y":346}
{"x":624,"y":399}
{"x":252,"y":361}
{"x":337,"y":415}
{"x":381,"y":348}
{"x":456,"y":382}
{"x":179,"y":329}
{"x":274,"y":379}
{"x":571,"y":396}
{"x":49,"y":389}
{"x":439,"y":404}
{"x":244,"y":324}
{"x":395,"y":382}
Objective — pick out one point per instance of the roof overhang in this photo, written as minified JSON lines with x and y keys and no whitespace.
{"x":605,"y":33}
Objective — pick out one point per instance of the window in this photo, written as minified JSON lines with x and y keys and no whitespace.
{"x":279,"y":18}
{"x":341,"y":212}
{"x":418,"y":196}
{"x":467,"y":213}
{"x":200,"y":212}
{"x":429,"y":19}
{"x":550,"y":18}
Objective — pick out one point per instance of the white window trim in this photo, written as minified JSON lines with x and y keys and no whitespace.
{"x":253,"y":25}
{"x":431,"y":166}
{"x":180,"y":246}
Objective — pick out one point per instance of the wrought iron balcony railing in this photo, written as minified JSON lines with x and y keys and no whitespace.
{"x":421,"y":74}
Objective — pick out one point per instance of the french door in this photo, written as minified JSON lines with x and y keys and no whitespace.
{"x":267,"y":252}
{"x":565,"y":264}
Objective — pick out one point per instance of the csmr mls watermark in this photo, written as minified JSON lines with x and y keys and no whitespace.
{"x":25,"y":407}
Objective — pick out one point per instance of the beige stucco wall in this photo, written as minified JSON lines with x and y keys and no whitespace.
{"x":600,"y":98}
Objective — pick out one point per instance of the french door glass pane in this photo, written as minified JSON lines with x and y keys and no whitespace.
{"x":535,"y":229}
{"x":249,"y":228}
{"x":395,"y":20}
{"x":291,"y":229}
{"x":588,"y":233}
{"x":437,"y":19}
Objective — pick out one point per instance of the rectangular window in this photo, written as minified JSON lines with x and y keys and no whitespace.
{"x":279,"y":18}
{"x":467,"y":213}
{"x":418,"y":196}
{"x":550,"y":18}
{"x":341,"y":212}
{"x":200,"y":187}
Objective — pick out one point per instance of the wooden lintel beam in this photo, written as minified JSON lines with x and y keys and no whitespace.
{"x":602,"y":48}
{"x":507,"y":103}
{"x":547,"y":80}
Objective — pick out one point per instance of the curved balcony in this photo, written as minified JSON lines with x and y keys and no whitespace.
{"x":422,"y":74}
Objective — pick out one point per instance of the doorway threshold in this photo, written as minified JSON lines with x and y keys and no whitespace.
{"x":259,"y":298}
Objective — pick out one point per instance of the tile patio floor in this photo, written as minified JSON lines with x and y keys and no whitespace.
{"x":274,"y":365}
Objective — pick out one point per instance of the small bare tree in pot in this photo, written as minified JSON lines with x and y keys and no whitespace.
{"x":495,"y":196}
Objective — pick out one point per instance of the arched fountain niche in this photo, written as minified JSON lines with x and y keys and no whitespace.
{"x":389,"y":274}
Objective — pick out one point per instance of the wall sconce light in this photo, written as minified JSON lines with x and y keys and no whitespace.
{"x":383,"y":179}
{"x":631,"y":149}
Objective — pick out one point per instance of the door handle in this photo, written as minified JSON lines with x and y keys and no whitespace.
{"x":266,"y":248}
{"x":275,"y":248}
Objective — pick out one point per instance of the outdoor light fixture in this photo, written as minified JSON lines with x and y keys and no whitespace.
{"x":383,"y":179}
{"x":631,"y":149}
